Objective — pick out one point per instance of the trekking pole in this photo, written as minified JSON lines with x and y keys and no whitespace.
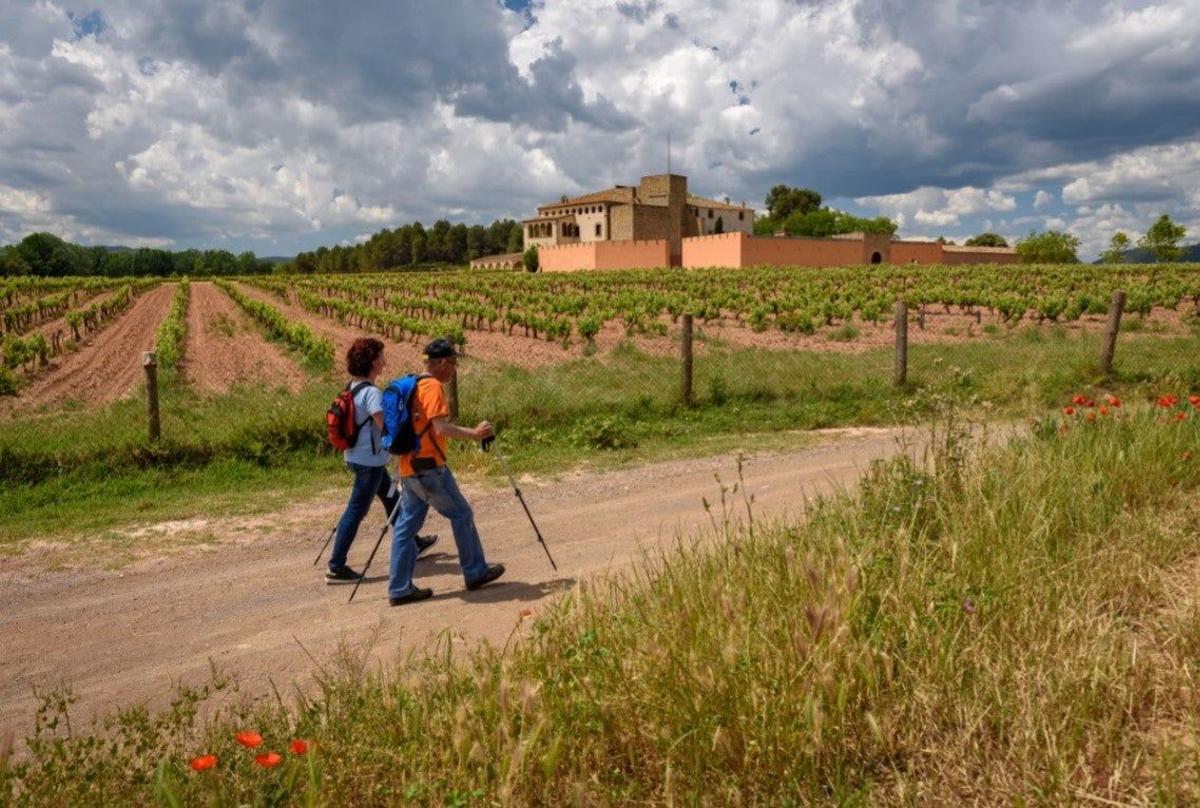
{"x":333,"y":530}
{"x":486,"y":444}
{"x":379,"y":541}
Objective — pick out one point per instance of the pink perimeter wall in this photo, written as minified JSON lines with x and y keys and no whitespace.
{"x":604,"y":255}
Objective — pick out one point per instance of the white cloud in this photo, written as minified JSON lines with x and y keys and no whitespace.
{"x":202,"y":121}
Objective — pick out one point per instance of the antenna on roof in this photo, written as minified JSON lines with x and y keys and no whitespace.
{"x":668,"y":154}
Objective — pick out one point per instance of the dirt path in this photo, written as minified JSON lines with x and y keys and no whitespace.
{"x":248,"y":601}
{"x":224,"y":348}
{"x":109,"y":364}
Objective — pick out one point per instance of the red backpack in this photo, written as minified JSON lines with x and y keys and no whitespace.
{"x":341,"y":419}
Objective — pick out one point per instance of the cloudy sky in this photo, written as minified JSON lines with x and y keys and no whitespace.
{"x":280,"y":125}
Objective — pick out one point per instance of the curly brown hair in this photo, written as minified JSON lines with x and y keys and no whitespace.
{"x":361,"y":356}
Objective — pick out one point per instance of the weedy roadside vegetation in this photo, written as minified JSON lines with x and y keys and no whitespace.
{"x":991,"y":621}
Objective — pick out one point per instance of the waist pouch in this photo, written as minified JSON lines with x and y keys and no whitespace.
{"x":420,"y":464}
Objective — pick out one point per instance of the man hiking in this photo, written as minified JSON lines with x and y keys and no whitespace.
{"x":425,"y":481}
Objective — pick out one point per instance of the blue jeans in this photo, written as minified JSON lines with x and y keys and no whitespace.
{"x":369,"y":481}
{"x":417,"y":493}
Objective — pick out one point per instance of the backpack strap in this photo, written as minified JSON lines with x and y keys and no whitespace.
{"x":354,"y":391}
{"x":429,"y":425}
{"x":358,"y":425}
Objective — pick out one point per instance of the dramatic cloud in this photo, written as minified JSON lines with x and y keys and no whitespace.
{"x":280,"y":125}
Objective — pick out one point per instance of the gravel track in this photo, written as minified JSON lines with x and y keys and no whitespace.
{"x":252,"y":599}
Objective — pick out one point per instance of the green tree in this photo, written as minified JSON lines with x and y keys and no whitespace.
{"x":1163,"y":238}
{"x":531,"y":259}
{"x":1117,"y":246}
{"x":783,"y":201}
{"x":515,"y":239}
{"x":986,"y":240}
{"x":1051,"y":247}
{"x":419,"y":243}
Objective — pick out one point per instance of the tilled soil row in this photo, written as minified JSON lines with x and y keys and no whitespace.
{"x":108,"y":365}
{"x":224,"y":347}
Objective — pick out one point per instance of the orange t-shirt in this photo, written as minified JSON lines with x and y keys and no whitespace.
{"x":428,"y":403}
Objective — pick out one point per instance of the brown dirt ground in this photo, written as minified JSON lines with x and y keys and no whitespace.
{"x":243,"y":593}
{"x":108,"y":365}
{"x":224,"y":347}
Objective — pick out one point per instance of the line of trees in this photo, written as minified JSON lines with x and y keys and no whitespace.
{"x":411,"y":245}
{"x":798,"y":212}
{"x":1161,"y":241}
{"x":48,"y":255}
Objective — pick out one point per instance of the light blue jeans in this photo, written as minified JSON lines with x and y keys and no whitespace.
{"x":436,"y":488}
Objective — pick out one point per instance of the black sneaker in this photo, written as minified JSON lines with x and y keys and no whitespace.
{"x":424,"y":543}
{"x":494,"y":571}
{"x":343,"y":575}
{"x":420,"y":593}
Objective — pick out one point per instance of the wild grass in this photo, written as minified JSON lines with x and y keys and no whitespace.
{"x":999,"y":623}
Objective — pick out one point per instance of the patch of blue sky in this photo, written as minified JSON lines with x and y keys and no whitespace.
{"x":90,"y":24}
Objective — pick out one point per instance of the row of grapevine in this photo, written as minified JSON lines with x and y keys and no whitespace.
{"x":168,"y":340}
{"x":35,"y":351}
{"x":792,"y":299}
{"x":23,"y":313}
{"x":318,"y":350}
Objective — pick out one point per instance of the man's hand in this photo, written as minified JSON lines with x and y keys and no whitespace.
{"x":484,"y":430}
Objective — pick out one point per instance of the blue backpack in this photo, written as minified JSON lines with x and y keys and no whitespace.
{"x":398,"y":435}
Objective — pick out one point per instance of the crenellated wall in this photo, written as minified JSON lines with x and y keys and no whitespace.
{"x":952,"y":254}
{"x":605,"y":255}
{"x":916,"y":252}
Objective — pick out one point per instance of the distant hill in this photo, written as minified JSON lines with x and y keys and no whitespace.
{"x":1191,"y":254}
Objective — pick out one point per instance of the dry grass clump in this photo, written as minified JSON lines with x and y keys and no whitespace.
{"x":999,"y":624}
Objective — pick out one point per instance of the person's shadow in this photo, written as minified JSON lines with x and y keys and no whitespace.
{"x":504,"y":591}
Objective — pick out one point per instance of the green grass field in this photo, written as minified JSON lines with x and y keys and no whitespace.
{"x":86,"y":470}
{"x":1007,"y":622}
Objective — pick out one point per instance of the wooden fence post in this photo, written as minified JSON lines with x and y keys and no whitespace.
{"x":452,"y":397}
{"x":1110,"y":335}
{"x":150,"y":363}
{"x":901,"y":375}
{"x":685,"y":362}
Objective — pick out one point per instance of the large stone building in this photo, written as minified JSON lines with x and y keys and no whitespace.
{"x":658,"y":223}
{"x":657,"y":208}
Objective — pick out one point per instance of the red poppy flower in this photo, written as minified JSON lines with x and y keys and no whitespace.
{"x":1113,"y":401}
{"x":299,"y":747}
{"x":249,"y":739}
{"x":1194,"y":401}
{"x":269,"y":760}
{"x":1180,"y":416}
{"x":1091,"y":416}
{"x":1068,"y":410}
{"x":1168,"y":401}
{"x":1078,"y":399}
{"x":1103,"y":410}
{"x":526,"y":612}
{"x":203,"y":763}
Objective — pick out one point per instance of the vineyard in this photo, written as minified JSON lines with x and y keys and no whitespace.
{"x":558,"y":307}
{"x":528,"y":320}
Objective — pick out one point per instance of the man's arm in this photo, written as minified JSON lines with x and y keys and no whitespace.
{"x":449,"y":430}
